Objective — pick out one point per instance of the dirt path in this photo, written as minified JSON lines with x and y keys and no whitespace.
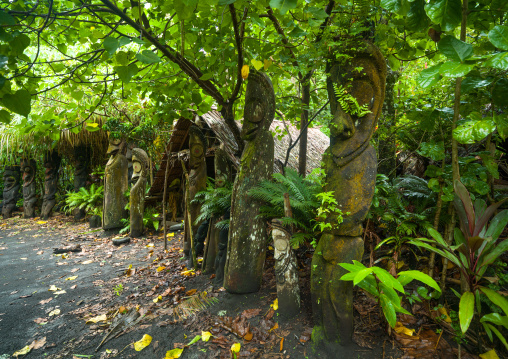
{"x":46,"y":300}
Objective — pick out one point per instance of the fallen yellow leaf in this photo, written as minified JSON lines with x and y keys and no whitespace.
{"x":87,"y":262}
{"x":235,"y":348}
{"x":188,"y":273}
{"x":53,"y":288}
{"x":274,"y":327}
{"x":60,"y":292}
{"x":54,"y":312}
{"x":400,"y":328}
{"x":99,"y":318}
{"x":157,"y":299}
{"x":491,"y":354}
{"x":23,"y":351}
{"x":65,"y":255}
{"x":275,"y":304}
{"x":205,"y":336}
{"x":160,"y":268}
{"x":174,"y":353}
{"x":149,"y":245}
{"x":172,"y":234}
{"x":442,"y":311}
{"x":143,"y":343}
{"x":42,"y":222}
{"x":71,"y":278}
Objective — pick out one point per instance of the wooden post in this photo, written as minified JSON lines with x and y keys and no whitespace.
{"x":187,"y":200}
{"x":164,"y":196}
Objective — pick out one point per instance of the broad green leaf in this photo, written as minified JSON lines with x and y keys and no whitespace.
{"x":437,"y":236}
{"x":500,"y":93}
{"x":391,"y":294}
{"x":454,"y":49}
{"x":226,"y":2}
{"x":316,"y":12}
{"x":369,"y":284}
{"x":195,"y":340}
{"x":148,"y":57}
{"x":419,"y":276}
{"x":6,"y":19}
{"x":455,"y":69}
{"x":447,"y":13}
{"x":122,"y":58}
{"x":388,"y":310}
{"x":496,"y":298}
{"x":470,"y":83}
{"x":498,"y":61}
{"x":417,"y":19}
{"x":184,"y":9}
{"x":429,"y":77}
{"x":474,"y":131}
{"x":434,"y":150}
{"x":257,"y":64}
{"x":397,"y":6}
{"x":466,"y":310}
{"x":110,"y":44}
{"x":361,"y":275}
{"x":297,"y":32}
{"x":496,"y":251}
{"x":496,"y":318}
{"x":125,"y":73}
{"x":206,"y":77}
{"x":5,"y":117}
{"x":452,"y":258}
{"x":498,"y":36}
{"x":284,"y":5}
{"x":387,"y":279}
{"x":19,"y":102}
{"x":500,"y":336}
{"x":19,"y":44}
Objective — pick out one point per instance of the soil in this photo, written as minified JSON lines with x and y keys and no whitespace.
{"x":47,"y":301}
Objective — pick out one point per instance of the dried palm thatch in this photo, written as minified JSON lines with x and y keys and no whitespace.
{"x":193,"y":305}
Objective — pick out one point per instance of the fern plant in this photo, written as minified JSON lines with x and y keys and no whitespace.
{"x":302,"y":196}
{"x":348,"y":103}
{"x":88,"y":199}
{"x":214,"y":202}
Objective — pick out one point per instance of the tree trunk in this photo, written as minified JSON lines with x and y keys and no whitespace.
{"x":302,"y":154}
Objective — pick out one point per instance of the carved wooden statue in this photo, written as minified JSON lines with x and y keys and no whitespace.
{"x":29,"y":168}
{"x":137,"y":198}
{"x":247,"y":232}
{"x":213,"y":245}
{"x":350,"y":164}
{"x":11,"y":190}
{"x":52,"y":164}
{"x":197,"y":179}
{"x":115,"y":185}
{"x":81,"y":160}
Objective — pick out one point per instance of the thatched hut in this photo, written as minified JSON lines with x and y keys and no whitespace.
{"x":217,"y":132}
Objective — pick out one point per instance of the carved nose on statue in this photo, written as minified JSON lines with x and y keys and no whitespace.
{"x":345,"y":125}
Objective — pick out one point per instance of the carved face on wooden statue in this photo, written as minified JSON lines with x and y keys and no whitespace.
{"x":363,"y":77}
{"x":139,"y":164}
{"x":11,"y":189}
{"x":197,"y":146}
{"x":29,"y":168}
{"x":259,"y":105}
{"x":116,"y":145}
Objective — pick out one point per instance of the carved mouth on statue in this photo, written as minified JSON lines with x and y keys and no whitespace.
{"x":113,"y":152}
{"x":250,"y":134}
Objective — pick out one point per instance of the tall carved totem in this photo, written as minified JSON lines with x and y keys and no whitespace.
{"x":137,"y":199}
{"x":197,"y":179}
{"x":52,"y":164}
{"x":350,"y":164}
{"x":247,"y":233}
{"x":81,"y":159}
{"x":11,"y":190}
{"x":29,"y":168}
{"x":115,"y":185}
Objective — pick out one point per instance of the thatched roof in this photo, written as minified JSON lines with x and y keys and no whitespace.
{"x":217,"y":132}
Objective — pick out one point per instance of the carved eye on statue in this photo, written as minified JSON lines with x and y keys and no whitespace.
{"x":116,"y":141}
{"x":197,"y":150}
{"x":255,"y":110}
{"x":136,"y":166}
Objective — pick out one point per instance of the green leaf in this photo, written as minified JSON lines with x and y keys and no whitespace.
{"x":455,"y":69}
{"x":5,"y":117}
{"x":434,"y":150}
{"x":195,"y":340}
{"x":417,"y":19}
{"x":284,"y":5}
{"x":196,"y":98}
{"x":496,"y":251}
{"x":19,"y":44}
{"x":226,"y":2}
{"x":419,"y":276}
{"x":498,"y":61}
{"x":361,"y":275}
{"x":206,"y":77}
{"x":495,"y":318}
{"x":498,"y":36}
{"x":447,"y":13}
{"x":496,"y":298}
{"x":6,"y":19}
{"x":317,"y":12}
{"x":429,"y":77}
{"x":184,"y":8}
{"x":470,"y":83}
{"x":454,"y":49}
{"x":148,"y":57}
{"x":466,"y":310}
{"x":297,"y":32}
{"x":111,"y":45}
{"x":500,"y":93}
{"x":499,"y":335}
{"x":497,"y":225}
{"x":474,"y":131}
{"x":388,"y":310}
{"x":19,"y":102}
{"x":387,"y":279}
{"x":122,"y":58}
{"x":125,"y":73}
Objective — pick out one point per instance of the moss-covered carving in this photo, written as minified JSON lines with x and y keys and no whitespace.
{"x":81,"y":160}
{"x":350,"y":164}
{"x":52,"y":164}
{"x":11,"y":190}
{"x":29,"y":168}
{"x":140,"y":162}
{"x":197,"y":178}
{"x":247,"y":233}
{"x":115,"y":186}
